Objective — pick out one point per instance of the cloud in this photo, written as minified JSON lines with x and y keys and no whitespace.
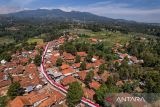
{"x":22,"y":2}
{"x":6,"y":10}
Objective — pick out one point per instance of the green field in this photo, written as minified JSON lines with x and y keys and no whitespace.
{"x":33,"y":40}
{"x":109,"y":38}
{"x":5,"y":40}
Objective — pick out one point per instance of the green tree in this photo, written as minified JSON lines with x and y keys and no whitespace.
{"x":83,"y":66}
{"x":59,"y":62}
{"x":78,"y":59}
{"x":37,"y":60}
{"x":5,"y":56}
{"x":89,"y":76}
{"x":100,"y":94}
{"x":3,"y":101}
{"x":13,"y":90}
{"x":89,"y":56}
{"x":101,"y":69}
{"x":127,"y":87}
{"x":74,"y":94}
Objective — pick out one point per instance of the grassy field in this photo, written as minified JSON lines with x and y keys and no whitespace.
{"x":33,"y":40}
{"x":5,"y":40}
{"x":109,"y":38}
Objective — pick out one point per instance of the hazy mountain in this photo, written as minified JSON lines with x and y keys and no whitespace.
{"x":57,"y":13}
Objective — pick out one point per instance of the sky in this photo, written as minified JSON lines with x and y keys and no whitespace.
{"x":137,"y":10}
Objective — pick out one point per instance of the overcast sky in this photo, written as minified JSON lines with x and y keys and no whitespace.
{"x":138,"y":10}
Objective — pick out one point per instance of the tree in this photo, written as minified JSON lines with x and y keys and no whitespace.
{"x":101,"y":69}
{"x":110,"y":82}
{"x":100,"y":94}
{"x":83,"y":66}
{"x":74,"y":94}
{"x":89,"y":77}
{"x":13,"y":90}
{"x":89,"y":56}
{"x":152,"y":82}
{"x":59,"y":62}
{"x":70,"y":48}
{"x":78,"y":59}
{"x":3,"y":101}
{"x":5,"y":56}
{"x":37,"y":60}
{"x":127,"y":87}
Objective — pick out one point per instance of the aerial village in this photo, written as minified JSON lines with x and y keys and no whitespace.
{"x":35,"y":80}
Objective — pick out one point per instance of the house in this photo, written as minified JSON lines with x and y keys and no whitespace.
{"x":93,"y":40}
{"x":4,"y":81}
{"x":33,"y":99}
{"x":68,"y":71}
{"x":119,"y":83}
{"x":105,"y":76}
{"x":67,"y":80}
{"x":95,"y":58}
{"x":3,"y":62}
{"x":122,"y":56}
{"x":68,"y":57}
{"x":82,"y":75}
{"x":88,"y":93}
{"x":76,"y":65}
{"x":64,"y":66}
{"x":134,"y":59}
{"x":54,"y":98}
{"x":94,"y":85}
{"x":89,"y":65}
{"x":82,"y":54}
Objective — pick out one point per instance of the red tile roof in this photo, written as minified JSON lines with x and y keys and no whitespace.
{"x":5,"y":83}
{"x":88,"y":93}
{"x":68,"y":56}
{"x":82,"y":54}
{"x":67,"y":71}
{"x":67,"y":80}
{"x":64,"y":66}
{"x":94,"y":85}
{"x":19,"y":101}
{"x":93,"y":39}
{"x":54,"y":97}
{"x":82,"y":75}
{"x":89,"y":65}
{"x":76,"y":65}
{"x":123,"y":55}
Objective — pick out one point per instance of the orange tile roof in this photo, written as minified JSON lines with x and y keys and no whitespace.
{"x":105,"y":76}
{"x":19,"y":101}
{"x":93,"y":39}
{"x":5,"y":83}
{"x":89,"y":65}
{"x":55,"y":96}
{"x":68,"y":56}
{"x":119,"y":83}
{"x":94,"y":85}
{"x":67,"y":71}
{"x":67,"y":80}
{"x":76,"y":65}
{"x":1,"y":75}
{"x":82,"y":75}
{"x":88,"y":93}
{"x":64,"y":66}
{"x":123,"y":55}
{"x":82,"y":54}
{"x":38,"y":97}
